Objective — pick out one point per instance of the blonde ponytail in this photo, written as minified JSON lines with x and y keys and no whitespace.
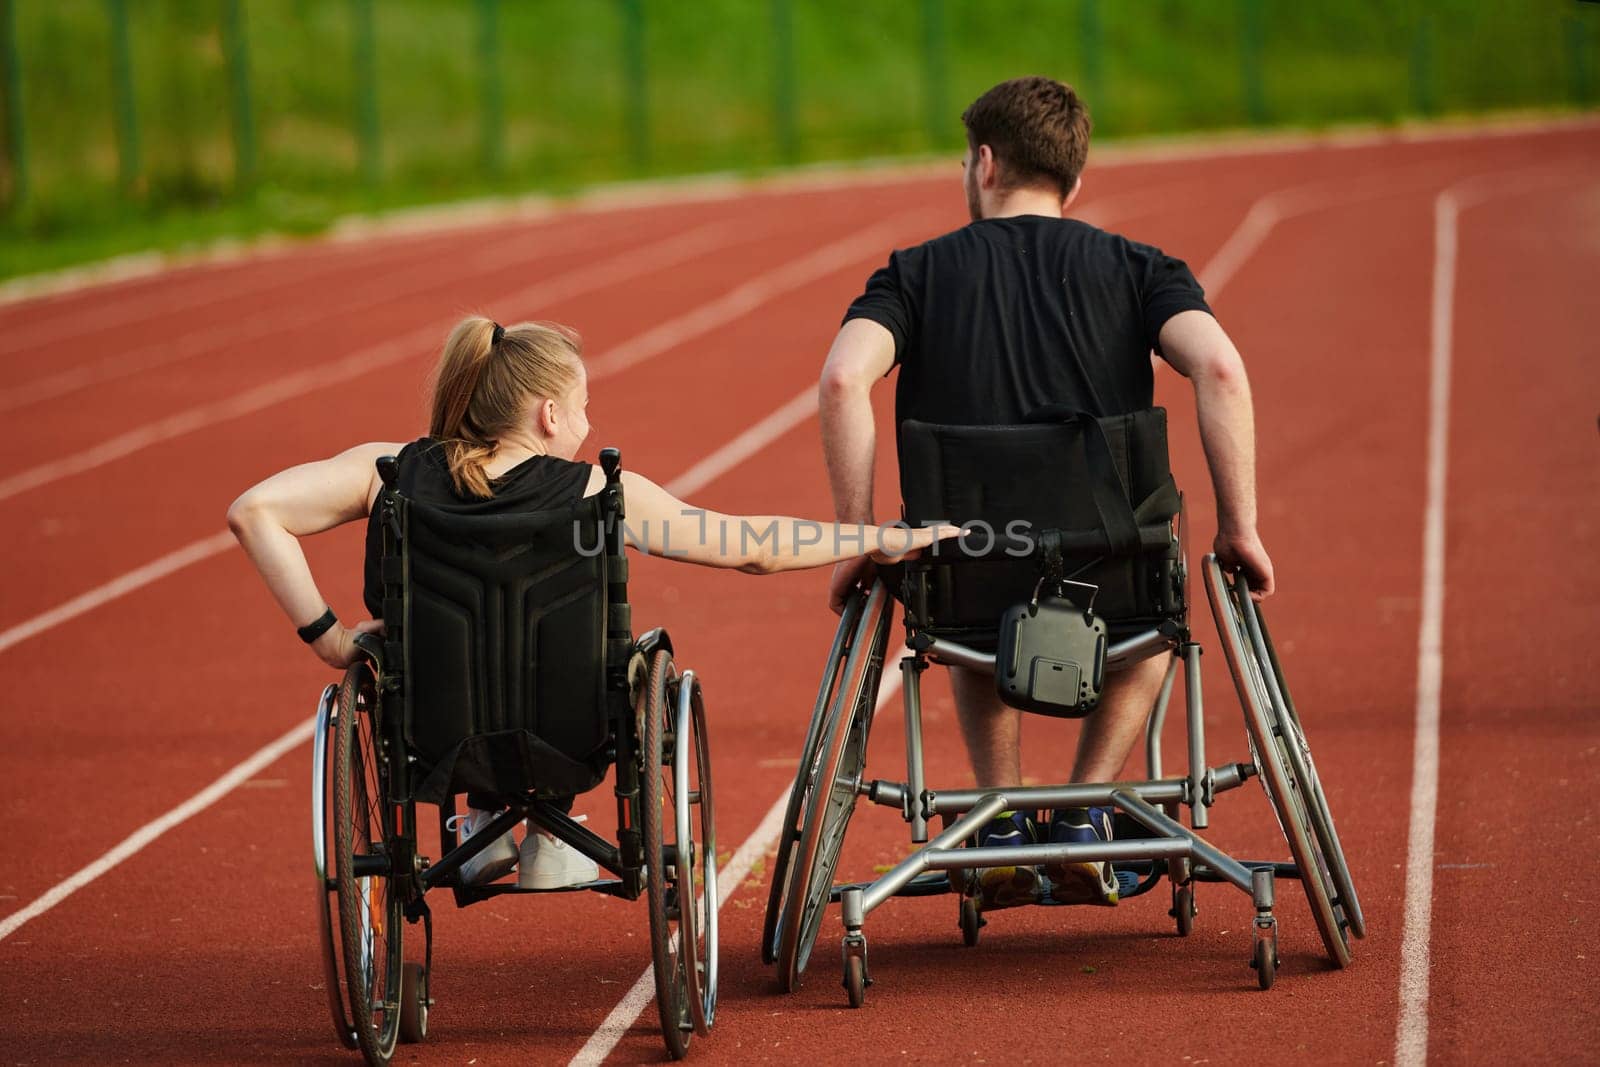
{"x":484,"y":387}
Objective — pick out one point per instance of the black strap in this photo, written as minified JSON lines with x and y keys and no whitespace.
{"x":318,"y":626}
{"x":1105,"y":483}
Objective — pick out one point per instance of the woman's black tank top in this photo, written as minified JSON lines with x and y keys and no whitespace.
{"x":538,"y":483}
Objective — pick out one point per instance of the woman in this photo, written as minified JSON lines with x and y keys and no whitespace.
{"x":508,"y":419}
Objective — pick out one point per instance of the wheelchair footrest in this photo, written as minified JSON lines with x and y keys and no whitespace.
{"x":1202,"y":873}
{"x":472,"y":894}
{"x":930,"y":884}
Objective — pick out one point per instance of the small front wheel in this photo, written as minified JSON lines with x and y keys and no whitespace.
{"x":1266,"y":960}
{"x":413,"y":1003}
{"x":971,"y":922}
{"x":855,"y":980}
{"x":1183,"y":909}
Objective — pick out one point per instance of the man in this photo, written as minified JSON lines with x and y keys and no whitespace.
{"x":1021,"y":309}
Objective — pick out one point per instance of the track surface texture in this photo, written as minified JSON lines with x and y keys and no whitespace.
{"x":141,"y":660}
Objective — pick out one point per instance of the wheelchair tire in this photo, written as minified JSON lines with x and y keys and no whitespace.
{"x":677,"y":1028}
{"x":322,"y":849}
{"x":1282,"y":774}
{"x":789,"y":836}
{"x":829,"y":783}
{"x":694,"y":811}
{"x":371,"y":912}
{"x":1300,"y":756}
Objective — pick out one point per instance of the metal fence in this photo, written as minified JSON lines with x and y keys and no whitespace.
{"x":531,"y":93}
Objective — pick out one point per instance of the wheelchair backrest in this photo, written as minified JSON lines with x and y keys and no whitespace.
{"x":510,"y":667}
{"x":1105,"y":484}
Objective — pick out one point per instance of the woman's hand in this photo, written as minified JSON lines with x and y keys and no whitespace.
{"x":337,"y":648}
{"x":896,"y":543}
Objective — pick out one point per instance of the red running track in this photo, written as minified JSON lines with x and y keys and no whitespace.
{"x":129,"y":436}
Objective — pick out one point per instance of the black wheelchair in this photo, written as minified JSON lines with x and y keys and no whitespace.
{"x":1103,"y":545}
{"x":508,"y":668}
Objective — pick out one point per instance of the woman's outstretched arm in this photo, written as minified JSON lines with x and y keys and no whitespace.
{"x":662,"y":525}
{"x":270,"y":518}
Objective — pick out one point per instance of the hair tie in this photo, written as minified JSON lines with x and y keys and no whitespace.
{"x":499,"y":332}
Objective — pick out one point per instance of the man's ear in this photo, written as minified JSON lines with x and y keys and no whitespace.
{"x":1077,"y":187}
{"x":988,"y":167}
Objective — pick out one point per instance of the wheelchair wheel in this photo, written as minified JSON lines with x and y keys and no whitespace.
{"x":663,"y":888}
{"x":1300,"y":757}
{"x":789,"y":836}
{"x":370,"y":907}
{"x":829,"y":781}
{"x":1276,"y":747}
{"x":322,"y":849}
{"x":695,"y":854}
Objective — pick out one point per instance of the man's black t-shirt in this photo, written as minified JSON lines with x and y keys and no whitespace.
{"x":999,"y":318}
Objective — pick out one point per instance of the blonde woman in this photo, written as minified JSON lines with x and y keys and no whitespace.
{"x":507,"y":422}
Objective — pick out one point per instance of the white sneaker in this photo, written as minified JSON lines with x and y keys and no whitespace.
{"x":496,"y":861}
{"x":550,"y":863}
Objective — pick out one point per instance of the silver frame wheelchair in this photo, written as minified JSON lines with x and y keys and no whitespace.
{"x":374,"y":761}
{"x":832,"y":777}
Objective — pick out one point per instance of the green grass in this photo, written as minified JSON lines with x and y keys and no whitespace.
{"x":870,"y":80}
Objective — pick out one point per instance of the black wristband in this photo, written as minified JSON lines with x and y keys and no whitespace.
{"x":313,"y":630}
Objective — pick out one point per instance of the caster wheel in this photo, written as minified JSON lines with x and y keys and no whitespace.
{"x":413,"y":1003}
{"x":855,"y":980}
{"x":1266,"y":961}
{"x":1183,"y":909}
{"x":971,"y":922}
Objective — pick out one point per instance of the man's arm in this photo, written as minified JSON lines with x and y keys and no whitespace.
{"x":1195,"y":345}
{"x":862,"y":353}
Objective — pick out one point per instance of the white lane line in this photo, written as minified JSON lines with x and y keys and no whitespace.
{"x":627,"y":265}
{"x":152,"y":830}
{"x":1411,"y":1035}
{"x":119,"y":587}
{"x":747,"y":444}
{"x":723,"y":459}
{"x":628,"y":1009}
{"x":1411,"y":1030}
{"x":270,"y":321}
{"x":740,"y":301}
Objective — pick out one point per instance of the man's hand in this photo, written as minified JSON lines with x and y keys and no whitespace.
{"x":337,"y":647}
{"x":1244,"y":552}
{"x":846,"y":577}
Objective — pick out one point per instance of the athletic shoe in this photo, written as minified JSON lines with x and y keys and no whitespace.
{"x":550,"y":863}
{"x":496,"y":861}
{"x":1081,"y":883}
{"x":1008,"y":887}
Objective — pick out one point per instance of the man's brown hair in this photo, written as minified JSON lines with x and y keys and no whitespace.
{"x":1037,"y":128}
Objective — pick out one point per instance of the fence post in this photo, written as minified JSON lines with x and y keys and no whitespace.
{"x":1092,"y":52}
{"x":129,"y":165}
{"x":637,"y":89}
{"x":934,"y":71}
{"x":1255,"y":97}
{"x":1422,"y":99}
{"x":16,"y":137}
{"x":783,"y":108}
{"x":364,"y":60}
{"x":494,"y":125}
{"x":1578,"y":56}
{"x":236,"y":45}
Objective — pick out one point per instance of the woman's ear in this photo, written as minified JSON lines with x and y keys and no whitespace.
{"x":545,"y":417}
